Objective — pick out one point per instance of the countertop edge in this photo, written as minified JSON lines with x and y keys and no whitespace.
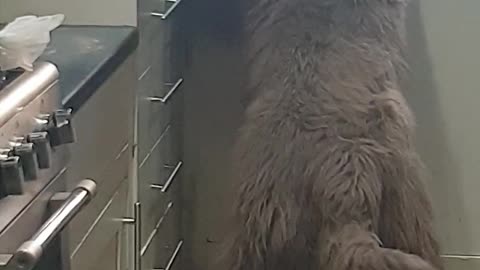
{"x":102,"y":72}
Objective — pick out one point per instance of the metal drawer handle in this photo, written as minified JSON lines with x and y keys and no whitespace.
{"x":164,"y":188}
{"x":26,"y":257}
{"x":174,"y":256}
{"x":169,"y":11}
{"x":169,"y":94}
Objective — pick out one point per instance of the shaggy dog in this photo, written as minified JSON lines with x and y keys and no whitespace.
{"x":327,"y":172}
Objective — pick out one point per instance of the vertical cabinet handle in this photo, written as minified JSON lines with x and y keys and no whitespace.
{"x":169,"y":94}
{"x":164,"y":188}
{"x":30,"y":252}
{"x":169,"y":11}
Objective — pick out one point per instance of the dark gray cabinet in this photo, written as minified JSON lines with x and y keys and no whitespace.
{"x":159,"y":137}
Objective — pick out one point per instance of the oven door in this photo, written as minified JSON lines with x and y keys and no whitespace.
{"x":28,"y":243}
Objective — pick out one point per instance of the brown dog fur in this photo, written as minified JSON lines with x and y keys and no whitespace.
{"x":328,"y":177}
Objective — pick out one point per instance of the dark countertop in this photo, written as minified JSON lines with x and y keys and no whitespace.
{"x":86,"y":56}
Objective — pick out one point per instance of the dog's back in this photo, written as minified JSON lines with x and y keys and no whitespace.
{"x":321,"y":130}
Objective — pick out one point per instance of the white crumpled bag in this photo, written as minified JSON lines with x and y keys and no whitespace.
{"x":24,"y":40}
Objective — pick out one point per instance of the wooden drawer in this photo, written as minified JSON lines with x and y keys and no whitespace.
{"x":104,"y":236}
{"x":158,"y":178}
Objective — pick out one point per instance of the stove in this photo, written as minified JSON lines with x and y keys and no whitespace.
{"x":35,"y":133}
{"x":8,"y":76}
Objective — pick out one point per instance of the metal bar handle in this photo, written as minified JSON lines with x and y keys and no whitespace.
{"x":169,"y":94}
{"x":169,"y":11}
{"x":174,"y":256}
{"x":28,"y":254}
{"x":164,"y":188}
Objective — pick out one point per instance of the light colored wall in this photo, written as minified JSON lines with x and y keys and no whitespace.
{"x":86,"y":12}
{"x":445,"y":95}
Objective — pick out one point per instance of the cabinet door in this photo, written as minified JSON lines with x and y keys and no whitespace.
{"x":101,"y":247}
{"x":109,"y":258}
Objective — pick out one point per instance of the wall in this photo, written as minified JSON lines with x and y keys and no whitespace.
{"x":86,"y":12}
{"x":444,"y":58}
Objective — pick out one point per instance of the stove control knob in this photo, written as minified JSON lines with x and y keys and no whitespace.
{"x":11,"y":175}
{"x":41,"y":145}
{"x":28,"y":159}
{"x":41,"y":122}
{"x":61,"y":129}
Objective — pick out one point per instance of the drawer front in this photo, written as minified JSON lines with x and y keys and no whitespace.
{"x":109,"y":258}
{"x":154,"y":115}
{"x":153,"y":78}
{"x":168,"y":243}
{"x":104,"y":137}
{"x":158,"y":182}
{"x":154,"y":58}
{"x":164,"y":246}
{"x":154,"y":32}
{"x":103,"y":130}
{"x":107,"y":185}
{"x":153,"y":118}
{"x":149,"y":46}
{"x":153,"y":201}
{"x":100,"y":237}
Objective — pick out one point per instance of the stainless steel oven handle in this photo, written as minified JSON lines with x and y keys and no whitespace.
{"x":172,"y":90}
{"x":164,"y":188}
{"x":26,"y":257}
{"x":169,"y":11}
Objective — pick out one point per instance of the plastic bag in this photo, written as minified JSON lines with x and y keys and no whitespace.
{"x":24,"y":40}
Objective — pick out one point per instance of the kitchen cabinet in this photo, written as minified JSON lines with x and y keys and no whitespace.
{"x":153,"y":238}
{"x":159,"y":135}
{"x":96,"y":238}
